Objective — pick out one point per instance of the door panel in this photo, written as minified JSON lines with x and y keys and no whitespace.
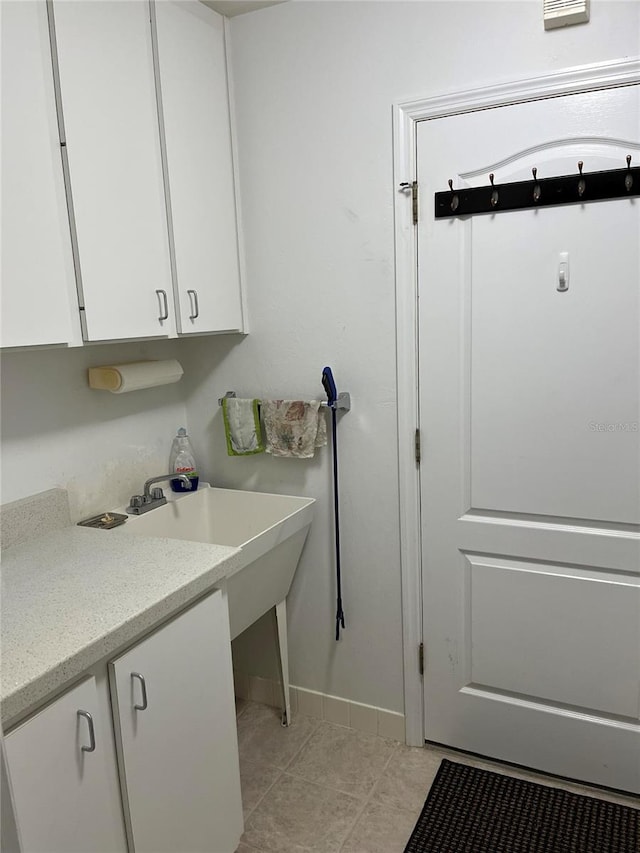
{"x":530,"y":402}
{"x":556,"y":613}
{"x":571,"y":352}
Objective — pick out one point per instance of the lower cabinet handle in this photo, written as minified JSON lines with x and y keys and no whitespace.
{"x":195,"y":310}
{"x":164,"y":312}
{"x":143,"y":685}
{"x":92,"y":734}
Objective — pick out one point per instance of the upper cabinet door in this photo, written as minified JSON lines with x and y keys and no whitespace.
{"x":200,"y":179}
{"x":110,"y":117}
{"x":37,"y":268}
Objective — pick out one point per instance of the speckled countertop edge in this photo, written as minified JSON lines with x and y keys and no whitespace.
{"x":72,"y":597}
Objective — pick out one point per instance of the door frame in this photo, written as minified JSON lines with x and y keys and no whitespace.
{"x":406,"y":115}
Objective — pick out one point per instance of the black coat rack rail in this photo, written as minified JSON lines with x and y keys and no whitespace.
{"x":539,"y":192}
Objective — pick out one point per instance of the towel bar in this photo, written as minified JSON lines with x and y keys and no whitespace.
{"x":343,"y":402}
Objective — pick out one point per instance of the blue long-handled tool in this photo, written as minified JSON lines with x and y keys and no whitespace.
{"x":332,"y":397}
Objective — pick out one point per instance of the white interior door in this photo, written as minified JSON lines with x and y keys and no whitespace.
{"x":530,"y":411}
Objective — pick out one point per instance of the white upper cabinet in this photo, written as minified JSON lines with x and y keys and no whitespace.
{"x":115,"y":176}
{"x":118,"y":190}
{"x":38,"y":283}
{"x":199,"y":166}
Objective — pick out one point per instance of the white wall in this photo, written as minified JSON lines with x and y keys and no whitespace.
{"x":101,"y":447}
{"x":314,"y":84}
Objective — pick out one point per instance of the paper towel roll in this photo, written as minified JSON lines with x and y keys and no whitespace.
{"x":120,"y":378}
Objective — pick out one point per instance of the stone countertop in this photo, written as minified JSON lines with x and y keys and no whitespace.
{"x":76,"y":595}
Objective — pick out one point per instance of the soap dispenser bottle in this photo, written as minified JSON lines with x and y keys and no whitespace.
{"x":182,"y":461}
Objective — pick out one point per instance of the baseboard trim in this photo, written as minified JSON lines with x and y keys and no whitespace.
{"x":323,"y":706}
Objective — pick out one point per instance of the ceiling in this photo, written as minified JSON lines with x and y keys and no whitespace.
{"x":229,"y":8}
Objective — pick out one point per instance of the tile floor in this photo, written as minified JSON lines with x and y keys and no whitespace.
{"x":320,"y":787}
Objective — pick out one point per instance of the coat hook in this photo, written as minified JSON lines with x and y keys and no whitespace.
{"x":494,"y":195}
{"x":455,"y":201}
{"x":537,"y":191}
{"x":628,"y":179}
{"x":582,"y":184}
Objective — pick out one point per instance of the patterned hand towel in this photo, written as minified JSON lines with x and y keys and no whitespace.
{"x":242,"y":426}
{"x":294,"y":428}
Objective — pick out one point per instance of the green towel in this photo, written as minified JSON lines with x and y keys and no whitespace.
{"x":242,"y":426}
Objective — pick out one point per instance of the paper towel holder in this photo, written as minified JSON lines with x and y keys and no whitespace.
{"x":134,"y":375}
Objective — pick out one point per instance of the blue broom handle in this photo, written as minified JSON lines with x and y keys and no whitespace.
{"x":332,"y":396}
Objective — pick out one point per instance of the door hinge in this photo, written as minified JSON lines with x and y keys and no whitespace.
{"x":413,"y":186}
{"x":421,"y":658}
{"x":416,"y":440}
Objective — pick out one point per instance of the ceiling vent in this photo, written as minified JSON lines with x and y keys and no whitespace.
{"x":562,"y":13}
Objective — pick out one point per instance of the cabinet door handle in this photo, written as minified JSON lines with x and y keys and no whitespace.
{"x":143,"y":685}
{"x":164,"y":311}
{"x":92,"y":734}
{"x":193,"y":299}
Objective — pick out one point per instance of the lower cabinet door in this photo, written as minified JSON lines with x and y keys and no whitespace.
{"x":57,"y":767}
{"x":176,"y":735}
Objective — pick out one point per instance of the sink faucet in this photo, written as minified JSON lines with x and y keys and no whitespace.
{"x":153,"y":498}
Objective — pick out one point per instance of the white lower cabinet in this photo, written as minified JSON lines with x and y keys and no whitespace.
{"x":57,"y":764}
{"x":176,"y":735}
{"x":176,"y":743}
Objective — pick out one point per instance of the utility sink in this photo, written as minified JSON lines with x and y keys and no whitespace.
{"x":270,"y":530}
